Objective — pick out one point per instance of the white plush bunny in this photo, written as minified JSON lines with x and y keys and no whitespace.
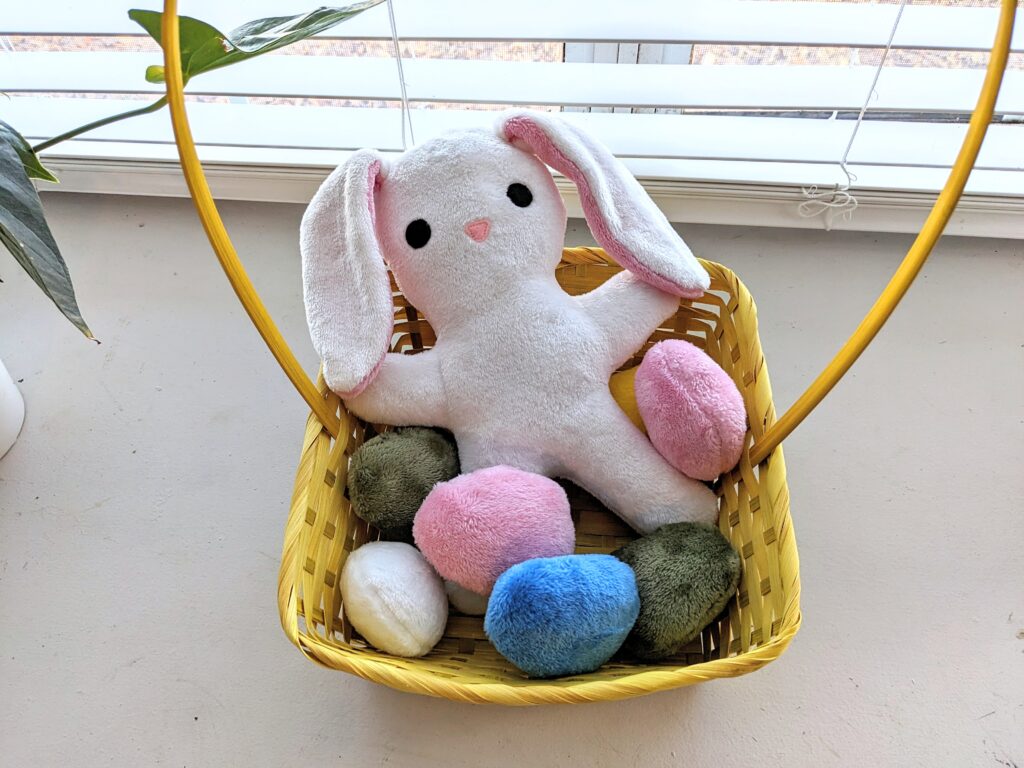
{"x":472,"y":226}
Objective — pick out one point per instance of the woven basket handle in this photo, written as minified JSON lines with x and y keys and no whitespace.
{"x":777,"y":432}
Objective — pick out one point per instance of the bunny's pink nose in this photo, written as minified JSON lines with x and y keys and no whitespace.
{"x":478,"y":230}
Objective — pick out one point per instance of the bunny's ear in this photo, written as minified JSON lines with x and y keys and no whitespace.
{"x":345,"y":282}
{"x":623,"y":218}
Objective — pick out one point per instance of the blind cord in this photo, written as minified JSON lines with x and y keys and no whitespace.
{"x":406,"y":112}
{"x":840,"y":200}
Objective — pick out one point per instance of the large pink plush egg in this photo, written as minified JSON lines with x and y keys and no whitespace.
{"x":475,"y":527}
{"x":693,"y":412}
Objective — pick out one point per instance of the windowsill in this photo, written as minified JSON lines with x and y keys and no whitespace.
{"x":688,"y":191}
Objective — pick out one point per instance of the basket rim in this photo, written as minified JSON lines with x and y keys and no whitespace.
{"x":532,"y":692}
{"x":528,"y":692}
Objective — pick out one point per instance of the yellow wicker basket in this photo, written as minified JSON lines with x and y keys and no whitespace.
{"x":754,"y":503}
{"x":759,"y":622}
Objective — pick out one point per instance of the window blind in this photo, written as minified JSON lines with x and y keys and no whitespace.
{"x":729,"y":124}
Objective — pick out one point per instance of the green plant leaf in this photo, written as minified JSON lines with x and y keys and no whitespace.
{"x":205,"y":48}
{"x":154,"y":73}
{"x":33,"y":167}
{"x":23,"y":230}
{"x":196,"y":36}
{"x":265,"y":35}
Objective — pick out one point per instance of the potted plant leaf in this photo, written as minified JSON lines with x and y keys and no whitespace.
{"x":23,"y":228}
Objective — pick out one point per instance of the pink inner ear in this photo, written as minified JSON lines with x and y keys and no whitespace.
{"x":530,"y":133}
{"x":372,"y":182}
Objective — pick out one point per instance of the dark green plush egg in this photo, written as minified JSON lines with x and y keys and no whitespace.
{"x":685,"y":574}
{"x":390,"y":476}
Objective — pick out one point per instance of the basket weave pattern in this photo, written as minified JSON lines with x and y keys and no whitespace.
{"x":754,"y":515}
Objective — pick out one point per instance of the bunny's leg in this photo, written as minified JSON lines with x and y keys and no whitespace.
{"x":626,"y":310}
{"x":615,"y":462}
{"x":407,"y":391}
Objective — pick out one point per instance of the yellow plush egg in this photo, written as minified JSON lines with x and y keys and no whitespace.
{"x":621,"y":385}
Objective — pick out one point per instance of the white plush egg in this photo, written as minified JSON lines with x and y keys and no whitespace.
{"x":394,"y":598}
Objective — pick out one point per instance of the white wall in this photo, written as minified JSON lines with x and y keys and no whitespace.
{"x":141,"y":515}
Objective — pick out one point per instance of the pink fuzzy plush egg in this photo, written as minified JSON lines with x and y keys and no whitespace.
{"x":693,"y":412}
{"x":475,"y":527}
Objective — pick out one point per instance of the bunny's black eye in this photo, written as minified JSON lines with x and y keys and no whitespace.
{"x":417,"y":234}
{"x":519,"y":194}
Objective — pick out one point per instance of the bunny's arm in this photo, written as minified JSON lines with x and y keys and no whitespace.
{"x":407,"y":391}
{"x":626,"y":310}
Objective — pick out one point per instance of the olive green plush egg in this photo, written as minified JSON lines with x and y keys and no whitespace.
{"x":390,"y":476}
{"x":685,"y":574}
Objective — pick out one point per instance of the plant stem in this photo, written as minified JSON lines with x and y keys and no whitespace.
{"x":159,"y":103}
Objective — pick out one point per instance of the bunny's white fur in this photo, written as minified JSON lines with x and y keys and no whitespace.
{"x":520,"y":369}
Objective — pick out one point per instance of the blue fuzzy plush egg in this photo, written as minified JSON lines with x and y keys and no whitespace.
{"x":566,"y":615}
